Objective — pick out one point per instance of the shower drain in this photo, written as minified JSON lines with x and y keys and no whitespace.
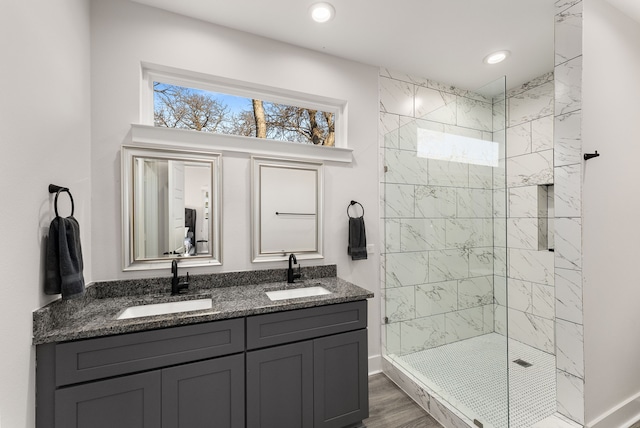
{"x":522,"y":363}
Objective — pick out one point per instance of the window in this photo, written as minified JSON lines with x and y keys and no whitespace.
{"x":234,"y":108}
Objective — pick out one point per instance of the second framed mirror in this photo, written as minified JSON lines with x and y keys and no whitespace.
{"x":287,"y":202}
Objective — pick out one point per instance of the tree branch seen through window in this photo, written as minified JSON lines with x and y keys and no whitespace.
{"x":198,"y":110}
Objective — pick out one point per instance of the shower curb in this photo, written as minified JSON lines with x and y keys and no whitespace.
{"x":431,"y":402}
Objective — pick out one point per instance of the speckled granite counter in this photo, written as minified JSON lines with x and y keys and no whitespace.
{"x":234,"y":294}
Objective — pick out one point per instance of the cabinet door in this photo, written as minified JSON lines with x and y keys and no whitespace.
{"x":280,"y":387}
{"x":128,"y":402}
{"x":204,"y":394}
{"x":341,"y":394}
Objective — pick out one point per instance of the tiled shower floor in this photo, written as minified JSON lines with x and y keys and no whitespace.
{"x":472,"y":376}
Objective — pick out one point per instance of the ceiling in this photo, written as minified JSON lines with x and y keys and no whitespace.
{"x":443,"y":40}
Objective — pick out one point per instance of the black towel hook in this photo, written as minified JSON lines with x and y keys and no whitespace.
{"x":57,"y":190}
{"x":588,"y":156}
{"x":354,"y":203}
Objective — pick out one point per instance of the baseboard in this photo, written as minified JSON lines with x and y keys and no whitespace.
{"x":375,"y":364}
{"x":621,"y":416}
{"x":557,"y":421}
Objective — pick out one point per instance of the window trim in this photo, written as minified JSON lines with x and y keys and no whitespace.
{"x":184,"y":138}
{"x":173,"y":76}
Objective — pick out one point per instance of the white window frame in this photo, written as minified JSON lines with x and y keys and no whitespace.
{"x":172,"y":76}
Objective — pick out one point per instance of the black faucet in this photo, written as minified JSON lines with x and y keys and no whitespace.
{"x":290,"y":275}
{"x":176,"y":285}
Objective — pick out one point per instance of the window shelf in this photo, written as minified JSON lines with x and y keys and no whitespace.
{"x":145,"y":134}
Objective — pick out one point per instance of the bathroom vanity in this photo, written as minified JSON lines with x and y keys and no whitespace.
{"x":246,"y":362}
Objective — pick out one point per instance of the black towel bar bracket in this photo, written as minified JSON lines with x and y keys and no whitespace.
{"x":352,"y":203}
{"x":588,"y":156}
{"x":57,"y":190}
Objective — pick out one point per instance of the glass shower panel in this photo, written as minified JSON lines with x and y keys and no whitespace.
{"x":444,"y":265}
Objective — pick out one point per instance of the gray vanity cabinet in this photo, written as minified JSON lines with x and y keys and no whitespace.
{"x":180,"y":377}
{"x":303,"y":368}
{"x":319,"y":380}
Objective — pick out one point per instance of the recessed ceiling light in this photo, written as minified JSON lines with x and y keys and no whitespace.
{"x":322,"y":12}
{"x":496,"y":57}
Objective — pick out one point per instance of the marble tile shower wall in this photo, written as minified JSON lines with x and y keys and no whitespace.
{"x":568,"y":207}
{"x":529,"y":150}
{"x":437,"y":217}
{"x":533,"y":160}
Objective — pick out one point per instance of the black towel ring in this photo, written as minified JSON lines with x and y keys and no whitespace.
{"x":354,"y":203}
{"x":57,"y":190}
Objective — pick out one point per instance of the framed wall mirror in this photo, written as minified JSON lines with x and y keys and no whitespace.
{"x":287,"y":202}
{"x":170,"y":207}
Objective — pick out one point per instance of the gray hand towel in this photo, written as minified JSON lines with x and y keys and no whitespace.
{"x":64,"y":259}
{"x":357,"y":248}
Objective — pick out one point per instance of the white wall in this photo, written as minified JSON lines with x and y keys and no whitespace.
{"x":124,"y":34}
{"x":44,"y":138}
{"x":611,"y":203}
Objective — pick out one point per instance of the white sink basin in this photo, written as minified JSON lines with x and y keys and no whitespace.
{"x":296,"y":293}
{"x":165,"y":308}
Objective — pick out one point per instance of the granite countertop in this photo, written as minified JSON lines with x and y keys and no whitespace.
{"x":95,"y":314}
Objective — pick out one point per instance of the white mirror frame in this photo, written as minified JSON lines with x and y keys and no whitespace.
{"x":128,"y":154}
{"x":256,"y":233}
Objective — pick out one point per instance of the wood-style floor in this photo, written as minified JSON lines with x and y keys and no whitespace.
{"x":389,"y":407}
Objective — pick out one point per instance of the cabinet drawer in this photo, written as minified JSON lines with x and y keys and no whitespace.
{"x":116,"y":355}
{"x":301,"y":324}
